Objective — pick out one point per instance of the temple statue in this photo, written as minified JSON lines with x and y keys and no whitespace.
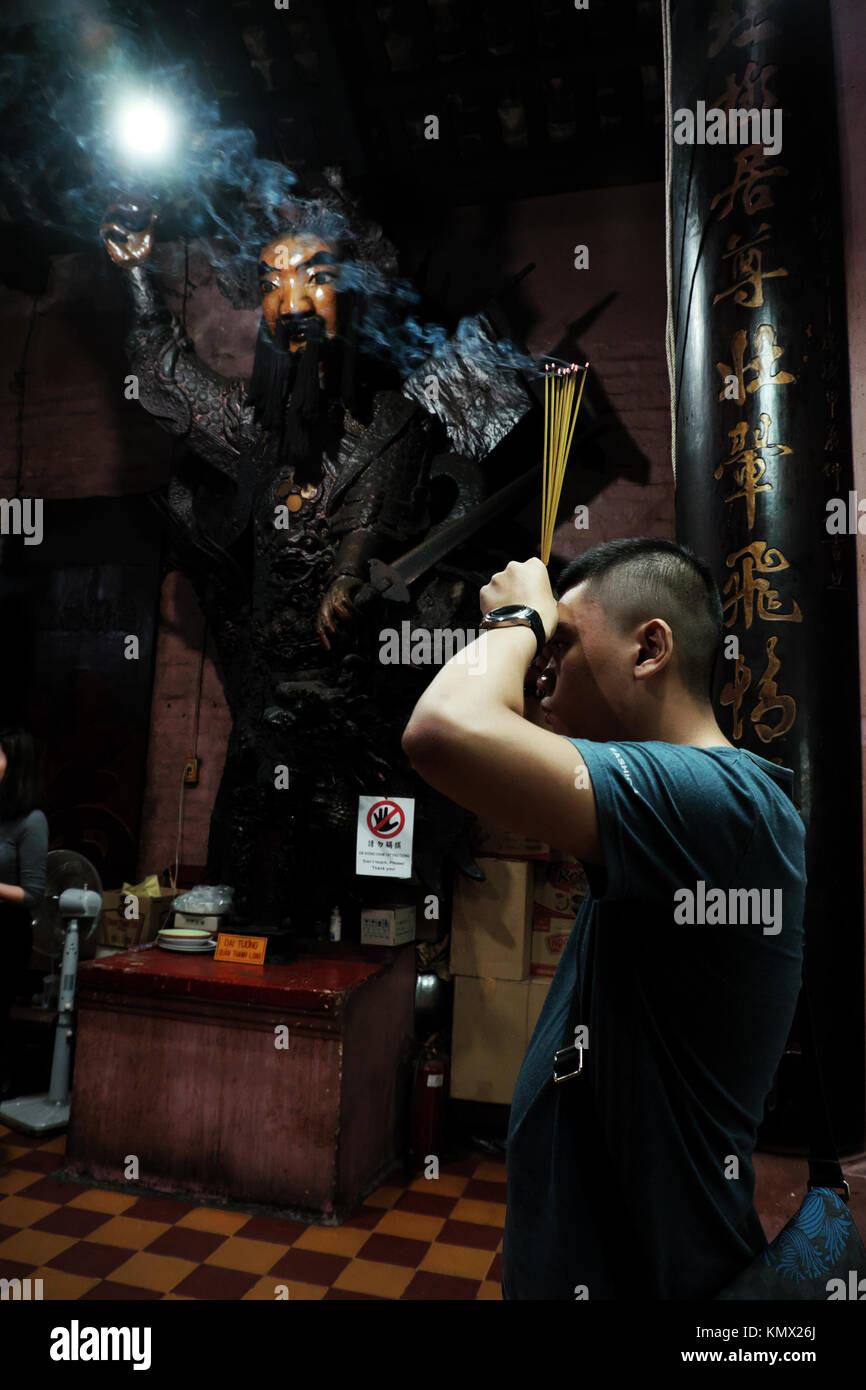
{"x":296,"y":491}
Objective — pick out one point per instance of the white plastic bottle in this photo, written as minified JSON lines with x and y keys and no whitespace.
{"x":335,"y":927}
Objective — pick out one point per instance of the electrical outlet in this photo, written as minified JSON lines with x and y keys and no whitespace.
{"x":190,"y":773}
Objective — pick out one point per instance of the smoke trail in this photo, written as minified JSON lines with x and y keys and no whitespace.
{"x":62,"y":94}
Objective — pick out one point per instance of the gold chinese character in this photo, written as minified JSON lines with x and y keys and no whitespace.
{"x":750,"y":92}
{"x":767,"y":353}
{"x":750,"y":178}
{"x":741,"y":24}
{"x":750,"y":463}
{"x":833,"y":469}
{"x":746,"y":589}
{"x":772,"y":700}
{"x":734,"y":692}
{"x":747,"y":270}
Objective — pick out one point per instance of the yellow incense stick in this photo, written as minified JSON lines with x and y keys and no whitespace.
{"x":547,"y":390}
{"x":560,"y":418}
{"x":576,"y":410}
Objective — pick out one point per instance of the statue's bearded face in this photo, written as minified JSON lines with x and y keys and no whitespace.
{"x":297,"y":277}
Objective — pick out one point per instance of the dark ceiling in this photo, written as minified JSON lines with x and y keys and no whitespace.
{"x":532,"y":97}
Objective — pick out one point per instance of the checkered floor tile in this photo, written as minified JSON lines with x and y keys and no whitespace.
{"x":424,"y":1239}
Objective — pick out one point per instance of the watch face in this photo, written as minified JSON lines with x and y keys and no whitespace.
{"x":511,"y":610}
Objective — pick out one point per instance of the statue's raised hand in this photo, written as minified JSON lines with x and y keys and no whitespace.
{"x":127,"y":232}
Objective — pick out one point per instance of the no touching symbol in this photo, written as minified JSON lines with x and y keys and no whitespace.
{"x":385,"y":819}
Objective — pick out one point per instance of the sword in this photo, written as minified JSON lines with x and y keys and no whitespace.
{"x":423,"y":556}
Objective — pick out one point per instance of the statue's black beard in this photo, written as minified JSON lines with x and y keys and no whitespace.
{"x":289,"y":400}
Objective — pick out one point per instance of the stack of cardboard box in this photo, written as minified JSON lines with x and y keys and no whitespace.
{"x":119,"y":931}
{"x":560,"y":887}
{"x":507,"y":934}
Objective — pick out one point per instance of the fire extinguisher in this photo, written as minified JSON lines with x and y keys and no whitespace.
{"x":428,"y":1109}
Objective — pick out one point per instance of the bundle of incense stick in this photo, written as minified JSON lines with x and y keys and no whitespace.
{"x":560,"y":417}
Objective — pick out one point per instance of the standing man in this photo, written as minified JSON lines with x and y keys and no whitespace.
{"x":632,"y":1178}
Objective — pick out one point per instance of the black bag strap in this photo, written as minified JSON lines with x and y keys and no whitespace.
{"x":825,"y":1170}
{"x":568,"y":1061}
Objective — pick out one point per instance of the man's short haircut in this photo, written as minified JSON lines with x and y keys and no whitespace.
{"x":640,"y":578}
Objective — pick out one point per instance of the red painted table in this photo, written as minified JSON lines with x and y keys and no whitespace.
{"x":178,"y":1064}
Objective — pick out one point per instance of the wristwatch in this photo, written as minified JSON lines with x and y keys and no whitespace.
{"x":517,"y":615}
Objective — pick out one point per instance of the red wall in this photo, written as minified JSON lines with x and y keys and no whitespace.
{"x":624,"y":232}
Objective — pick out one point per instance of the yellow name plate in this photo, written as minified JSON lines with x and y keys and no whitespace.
{"x":243,"y":950}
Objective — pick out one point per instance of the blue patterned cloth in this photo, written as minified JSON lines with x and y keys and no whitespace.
{"x":818,"y":1255}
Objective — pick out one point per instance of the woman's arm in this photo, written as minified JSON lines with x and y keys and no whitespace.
{"x":32,"y":853}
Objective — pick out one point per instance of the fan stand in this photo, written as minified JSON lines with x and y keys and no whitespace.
{"x":44,"y":1000}
{"x":41,"y":1114}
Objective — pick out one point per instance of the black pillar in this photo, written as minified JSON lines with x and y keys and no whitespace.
{"x":763,"y":446}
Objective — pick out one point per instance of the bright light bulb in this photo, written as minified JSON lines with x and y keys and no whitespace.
{"x":145,"y":128}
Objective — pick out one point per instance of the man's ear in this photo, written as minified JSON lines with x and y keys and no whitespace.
{"x":655,"y":647}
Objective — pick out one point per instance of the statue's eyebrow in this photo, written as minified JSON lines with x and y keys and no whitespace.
{"x":320,"y":258}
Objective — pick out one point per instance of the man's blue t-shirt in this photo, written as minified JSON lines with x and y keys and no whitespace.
{"x":635,"y":1179}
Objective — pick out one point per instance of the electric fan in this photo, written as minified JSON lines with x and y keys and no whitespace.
{"x":64,"y":923}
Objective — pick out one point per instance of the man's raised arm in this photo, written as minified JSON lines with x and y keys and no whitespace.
{"x":469,"y":739}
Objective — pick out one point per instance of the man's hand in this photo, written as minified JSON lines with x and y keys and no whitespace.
{"x":128,"y":244}
{"x":527,"y":582}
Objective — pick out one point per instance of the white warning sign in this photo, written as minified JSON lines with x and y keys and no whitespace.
{"x":384,"y":844}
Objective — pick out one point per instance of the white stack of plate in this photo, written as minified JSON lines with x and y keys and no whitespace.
{"x":186,"y":939}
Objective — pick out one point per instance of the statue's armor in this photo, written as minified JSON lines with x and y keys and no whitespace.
{"x":332,"y":719}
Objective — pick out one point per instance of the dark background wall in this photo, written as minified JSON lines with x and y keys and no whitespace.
{"x":68,"y":608}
